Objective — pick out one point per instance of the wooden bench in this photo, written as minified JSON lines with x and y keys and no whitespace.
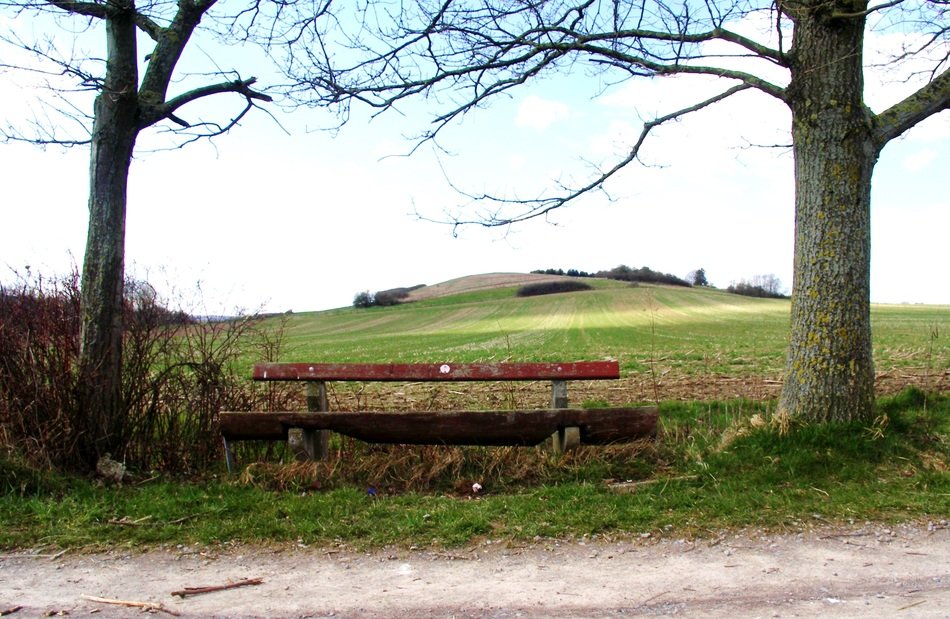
{"x":307,"y":432}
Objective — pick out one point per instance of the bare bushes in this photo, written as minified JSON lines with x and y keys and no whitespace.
{"x":39,"y":345}
{"x":762,"y":286}
{"x":177,"y":374}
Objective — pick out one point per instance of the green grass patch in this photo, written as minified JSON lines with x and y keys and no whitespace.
{"x":714,"y":466}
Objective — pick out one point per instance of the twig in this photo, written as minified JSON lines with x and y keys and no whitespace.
{"x":10,"y":611}
{"x":452,"y":557}
{"x":857,"y":534}
{"x":36,"y":556}
{"x":126,"y":521}
{"x":629,"y":486}
{"x":912,"y":605}
{"x":233,"y":585}
{"x":651,"y":598}
{"x":142,"y":605}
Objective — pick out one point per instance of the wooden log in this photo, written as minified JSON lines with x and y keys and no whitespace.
{"x":579,"y":370}
{"x":597,"y":426}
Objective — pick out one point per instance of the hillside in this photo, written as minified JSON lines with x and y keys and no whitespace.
{"x":671,"y":341}
{"x":487,"y":281}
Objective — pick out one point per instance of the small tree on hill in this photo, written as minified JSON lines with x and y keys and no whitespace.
{"x":697,"y":277}
{"x":364,"y":299}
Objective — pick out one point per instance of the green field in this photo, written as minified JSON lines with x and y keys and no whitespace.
{"x":720,"y":459}
{"x":685,"y":330}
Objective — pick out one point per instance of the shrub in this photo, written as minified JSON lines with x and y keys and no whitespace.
{"x":383,"y":298}
{"x":177,"y":375}
{"x":39,"y":347}
{"x":364,"y":299}
{"x":533,"y":290}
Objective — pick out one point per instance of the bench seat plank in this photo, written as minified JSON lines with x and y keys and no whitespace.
{"x":578,"y":370}
{"x":598,"y":426}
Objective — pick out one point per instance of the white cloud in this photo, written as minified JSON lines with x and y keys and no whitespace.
{"x":538,"y":113}
{"x":517,"y":161}
{"x":919,"y":160}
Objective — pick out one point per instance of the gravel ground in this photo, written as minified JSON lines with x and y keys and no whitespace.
{"x":864,"y":571}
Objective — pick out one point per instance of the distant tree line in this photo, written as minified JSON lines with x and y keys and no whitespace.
{"x":568,"y":273}
{"x":383,"y":298}
{"x":623,"y":273}
{"x":763,"y":286}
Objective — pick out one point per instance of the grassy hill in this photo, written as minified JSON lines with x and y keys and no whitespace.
{"x":670,"y":330}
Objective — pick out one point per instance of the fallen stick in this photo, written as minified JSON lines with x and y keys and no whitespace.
{"x":912,"y":605}
{"x":10,"y":611}
{"x":128,"y":522}
{"x":142,"y":605}
{"x":37,"y":556}
{"x":631,"y":486}
{"x":210,"y":589}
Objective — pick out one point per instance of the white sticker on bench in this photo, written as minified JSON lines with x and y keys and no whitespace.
{"x":445,"y":369}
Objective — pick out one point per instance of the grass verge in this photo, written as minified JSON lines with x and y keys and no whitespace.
{"x":714,"y":466}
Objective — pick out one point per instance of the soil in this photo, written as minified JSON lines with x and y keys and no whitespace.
{"x":862,"y":571}
{"x":486,"y":281}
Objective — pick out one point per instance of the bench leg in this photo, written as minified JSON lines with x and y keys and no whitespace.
{"x":565,"y":439}
{"x":317,"y":442}
{"x":308,"y":445}
{"x":229,"y":460}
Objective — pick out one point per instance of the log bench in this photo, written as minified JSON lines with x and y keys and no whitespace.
{"x":307,"y":432}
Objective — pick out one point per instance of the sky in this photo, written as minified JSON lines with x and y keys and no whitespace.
{"x":285,"y":215}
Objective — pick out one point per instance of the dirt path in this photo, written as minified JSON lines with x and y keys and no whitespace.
{"x":869,"y":571}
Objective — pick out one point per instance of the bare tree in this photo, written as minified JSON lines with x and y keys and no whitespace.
{"x":459,"y":54}
{"x":127,"y":103}
{"x":769,"y":283}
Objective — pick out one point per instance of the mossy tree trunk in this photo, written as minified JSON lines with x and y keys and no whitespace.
{"x":101,"y":416}
{"x":124,"y":108}
{"x":830,"y":371}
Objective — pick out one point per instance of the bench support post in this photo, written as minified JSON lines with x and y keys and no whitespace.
{"x":564,"y":439}
{"x":316,"y":442}
{"x":229,"y":460}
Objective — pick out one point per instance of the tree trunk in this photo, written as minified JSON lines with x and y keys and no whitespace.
{"x":829,"y":372}
{"x":101,"y":414}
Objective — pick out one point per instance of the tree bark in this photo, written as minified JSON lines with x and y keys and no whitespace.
{"x":101,"y":415}
{"x":829,"y":371}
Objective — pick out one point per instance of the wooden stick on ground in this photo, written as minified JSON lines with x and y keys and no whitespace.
{"x":142,"y":605}
{"x":210,"y":589}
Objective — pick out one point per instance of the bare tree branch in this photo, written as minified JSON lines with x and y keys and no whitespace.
{"x":868,"y":11}
{"x":152,"y":114}
{"x":89,"y":9}
{"x":540,"y":207}
{"x":929,"y":100}
{"x":170,"y":42}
